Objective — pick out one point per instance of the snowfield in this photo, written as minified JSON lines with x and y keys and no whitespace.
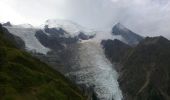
{"x":27,"y":34}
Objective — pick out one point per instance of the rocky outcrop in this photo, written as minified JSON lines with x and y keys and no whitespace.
{"x":55,"y":39}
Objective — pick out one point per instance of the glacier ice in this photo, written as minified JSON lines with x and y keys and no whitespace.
{"x":93,"y":69}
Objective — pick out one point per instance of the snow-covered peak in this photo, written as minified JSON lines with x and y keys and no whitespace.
{"x":69,"y":26}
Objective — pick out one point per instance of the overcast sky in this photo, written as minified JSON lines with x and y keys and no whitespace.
{"x":145,"y":17}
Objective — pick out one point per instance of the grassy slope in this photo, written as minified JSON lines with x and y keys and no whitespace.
{"x":23,"y":77}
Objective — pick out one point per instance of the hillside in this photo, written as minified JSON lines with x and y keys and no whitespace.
{"x":23,"y":77}
{"x":146,"y":71}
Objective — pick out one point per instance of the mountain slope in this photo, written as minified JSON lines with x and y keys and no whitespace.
{"x":115,"y":50}
{"x":146,"y":71}
{"x":23,"y":77}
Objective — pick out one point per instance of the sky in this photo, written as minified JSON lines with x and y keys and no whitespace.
{"x":145,"y":17}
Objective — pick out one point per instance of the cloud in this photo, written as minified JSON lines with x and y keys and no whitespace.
{"x":37,"y":11}
{"x":7,"y":13}
{"x":146,"y":17}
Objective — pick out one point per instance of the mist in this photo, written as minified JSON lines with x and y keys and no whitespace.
{"x":145,"y":17}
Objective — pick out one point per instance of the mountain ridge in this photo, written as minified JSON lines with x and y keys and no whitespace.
{"x":150,"y":61}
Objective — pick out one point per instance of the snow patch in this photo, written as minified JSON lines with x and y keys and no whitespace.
{"x":27,"y":34}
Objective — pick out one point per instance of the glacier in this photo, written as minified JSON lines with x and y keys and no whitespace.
{"x":91,"y":68}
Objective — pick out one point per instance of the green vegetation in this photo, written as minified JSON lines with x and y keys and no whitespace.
{"x":23,"y":77}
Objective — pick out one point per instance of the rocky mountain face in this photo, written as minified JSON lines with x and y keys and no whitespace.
{"x":146,"y":71}
{"x":143,"y":69}
{"x":50,"y":39}
{"x":115,"y":50}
